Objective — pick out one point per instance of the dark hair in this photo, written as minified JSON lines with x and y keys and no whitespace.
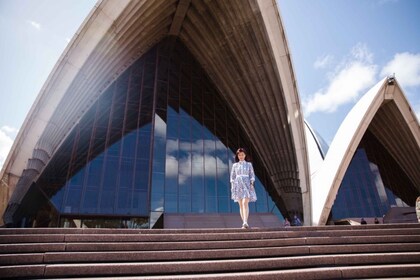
{"x":240,"y":150}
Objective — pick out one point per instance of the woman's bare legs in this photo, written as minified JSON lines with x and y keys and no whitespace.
{"x":241,"y":211}
{"x":244,"y":210}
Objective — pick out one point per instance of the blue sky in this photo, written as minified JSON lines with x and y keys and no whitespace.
{"x":339,"y":48}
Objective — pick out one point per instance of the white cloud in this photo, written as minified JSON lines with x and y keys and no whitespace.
{"x":6,"y":142}
{"x":361,"y":53}
{"x":35,"y":24}
{"x":323,"y":61}
{"x":9,"y":130}
{"x":350,"y":79}
{"x":406,"y":67}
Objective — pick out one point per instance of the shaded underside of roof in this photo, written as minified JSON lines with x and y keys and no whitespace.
{"x":394,"y":133}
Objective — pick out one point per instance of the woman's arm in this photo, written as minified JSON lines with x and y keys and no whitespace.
{"x":233,"y":173}
{"x":251,"y":174}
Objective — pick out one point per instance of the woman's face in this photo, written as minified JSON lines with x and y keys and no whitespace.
{"x":241,"y":156}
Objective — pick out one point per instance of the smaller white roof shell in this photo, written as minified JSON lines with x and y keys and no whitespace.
{"x":327,"y":180}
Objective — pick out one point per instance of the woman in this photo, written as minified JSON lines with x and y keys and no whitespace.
{"x":242,"y":179}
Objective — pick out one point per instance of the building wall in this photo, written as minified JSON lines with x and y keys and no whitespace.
{"x":160,"y":139}
{"x":373,"y":183}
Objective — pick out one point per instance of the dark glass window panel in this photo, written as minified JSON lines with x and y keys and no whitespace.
{"x":122,"y":86}
{"x":95,"y":173}
{"x":171,"y":203}
{"x":149,"y":76}
{"x":90,"y":202}
{"x":173,"y":128}
{"x":126,"y":173}
{"x":185,"y":77}
{"x":196,"y":132}
{"x":124,"y":201}
{"x":141,"y":179}
{"x":211,"y":204}
{"x":57,"y":198}
{"x":157,"y":195}
{"x":208,"y":109}
{"x":134,"y":92}
{"x":197,"y":90}
{"x":117,"y":117}
{"x":98,"y":144}
{"x":143,"y":145}
{"x":115,"y":148}
{"x":140,"y":203}
{"x":184,"y":126}
{"x":107,"y":202}
{"x":171,"y":185}
{"x":223,"y":182}
{"x":162,"y":93}
{"x":197,"y":185}
{"x":129,"y":145}
{"x":111,"y":173}
{"x":221,"y":155}
{"x":131,"y":118}
{"x":72,"y":203}
{"x":173,"y":104}
{"x":146,"y":107}
{"x":184,"y":205}
{"x":163,"y":67}
{"x":210,"y":185}
{"x":77,"y":179}
{"x":223,"y":203}
{"x":198,"y":204}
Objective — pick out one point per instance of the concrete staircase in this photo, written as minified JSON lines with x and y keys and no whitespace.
{"x":329,"y":252}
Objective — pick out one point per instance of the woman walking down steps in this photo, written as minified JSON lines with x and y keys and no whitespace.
{"x":242,"y":179}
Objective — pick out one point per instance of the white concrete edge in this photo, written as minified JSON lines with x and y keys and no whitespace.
{"x":278,"y":43}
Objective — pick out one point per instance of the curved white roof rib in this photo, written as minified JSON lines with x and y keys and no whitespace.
{"x":385,"y":111}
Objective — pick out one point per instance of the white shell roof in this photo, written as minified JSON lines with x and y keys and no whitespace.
{"x":376,"y":112}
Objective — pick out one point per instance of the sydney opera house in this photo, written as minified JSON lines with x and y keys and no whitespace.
{"x":142,"y":114}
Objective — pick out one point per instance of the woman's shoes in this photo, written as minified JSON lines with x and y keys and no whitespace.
{"x":245,"y":225}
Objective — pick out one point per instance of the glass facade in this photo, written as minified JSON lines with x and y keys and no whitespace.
{"x":373,"y":183}
{"x":160,"y":139}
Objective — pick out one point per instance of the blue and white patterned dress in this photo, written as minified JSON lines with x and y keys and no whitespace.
{"x":241,"y":176}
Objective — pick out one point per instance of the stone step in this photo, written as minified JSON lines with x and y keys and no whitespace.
{"x":212,"y":266}
{"x":6,"y":231}
{"x":242,"y":253}
{"x":275,"y":253}
{"x":203,"y":236}
{"x":409,"y":271}
{"x":199,"y":245}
